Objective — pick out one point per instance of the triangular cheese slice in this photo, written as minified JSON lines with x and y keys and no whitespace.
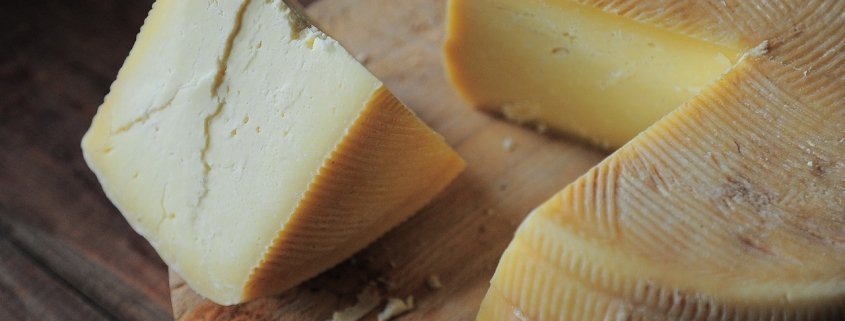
{"x":253,"y":151}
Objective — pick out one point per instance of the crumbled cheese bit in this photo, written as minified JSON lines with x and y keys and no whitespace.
{"x":760,"y":49}
{"x":368,"y":300}
{"x":519,"y":113}
{"x":433,"y":282}
{"x":396,"y":307}
{"x":507,"y":144}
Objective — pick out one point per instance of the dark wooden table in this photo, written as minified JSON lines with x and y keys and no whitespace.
{"x":65,"y":252}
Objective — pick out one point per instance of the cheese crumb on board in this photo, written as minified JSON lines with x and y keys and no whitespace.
{"x":396,"y":307}
{"x":368,"y":299}
{"x":507,"y":144}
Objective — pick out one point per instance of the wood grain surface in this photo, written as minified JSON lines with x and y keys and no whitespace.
{"x":460,"y":236}
{"x":66,"y":253}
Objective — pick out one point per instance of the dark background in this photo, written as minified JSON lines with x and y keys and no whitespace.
{"x":65,"y":252}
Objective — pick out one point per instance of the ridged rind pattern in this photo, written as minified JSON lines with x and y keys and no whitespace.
{"x":737,"y":24}
{"x":387,"y":167}
{"x":732,"y":207}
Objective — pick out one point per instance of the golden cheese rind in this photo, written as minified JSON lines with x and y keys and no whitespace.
{"x":388,"y":167}
{"x":729,"y":208}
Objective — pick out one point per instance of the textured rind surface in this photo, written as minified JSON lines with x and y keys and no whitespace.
{"x":388,"y":166}
{"x":709,"y":215}
{"x":730,"y":208}
{"x":738,"y":24}
{"x":801,"y":33}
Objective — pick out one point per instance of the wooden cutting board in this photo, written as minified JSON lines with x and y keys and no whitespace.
{"x":461,"y":234}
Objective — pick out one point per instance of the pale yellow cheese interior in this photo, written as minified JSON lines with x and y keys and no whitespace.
{"x":575,"y":68}
{"x":219,"y":122}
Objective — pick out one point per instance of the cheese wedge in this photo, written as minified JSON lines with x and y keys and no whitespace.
{"x":575,"y":68}
{"x":253,"y":151}
{"x":731,"y":207}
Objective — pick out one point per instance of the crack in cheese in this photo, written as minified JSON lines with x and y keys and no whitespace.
{"x":728,"y":208}
{"x":253,"y":151}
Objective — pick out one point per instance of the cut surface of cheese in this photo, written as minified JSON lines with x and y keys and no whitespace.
{"x":731,"y":207}
{"x":575,"y":68}
{"x":253,"y":151}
